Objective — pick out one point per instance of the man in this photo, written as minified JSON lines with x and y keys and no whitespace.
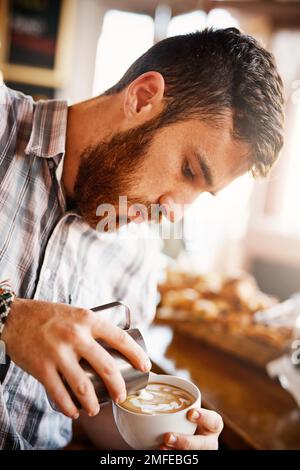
{"x":189,"y":116}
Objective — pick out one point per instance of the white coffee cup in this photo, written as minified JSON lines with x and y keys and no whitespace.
{"x":143,"y":431}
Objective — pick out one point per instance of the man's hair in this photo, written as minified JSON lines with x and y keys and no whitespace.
{"x":210,"y":71}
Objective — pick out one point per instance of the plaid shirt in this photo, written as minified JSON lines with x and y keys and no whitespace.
{"x":51,"y":254}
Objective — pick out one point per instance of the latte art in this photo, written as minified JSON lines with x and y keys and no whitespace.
{"x":158,"y":398}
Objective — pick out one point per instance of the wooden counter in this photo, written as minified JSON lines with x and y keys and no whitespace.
{"x":258,"y":413}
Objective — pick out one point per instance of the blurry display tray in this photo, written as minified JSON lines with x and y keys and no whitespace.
{"x":244,"y":346}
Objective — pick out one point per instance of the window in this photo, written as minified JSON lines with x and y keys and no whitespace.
{"x":187,"y":23}
{"x":283,"y":189}
{"x":197,"y":20}
{"x":215,"y":224}
{"x":125,"y":36}
{"x":291,"y":205}
{"x":219,"y":18}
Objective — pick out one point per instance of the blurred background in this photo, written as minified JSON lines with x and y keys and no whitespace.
{"x":75,"y":49}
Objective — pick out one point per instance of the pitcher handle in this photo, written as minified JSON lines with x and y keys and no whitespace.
{"x":114,"y":304}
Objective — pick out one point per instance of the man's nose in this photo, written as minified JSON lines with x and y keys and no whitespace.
{"x":175,"y":207}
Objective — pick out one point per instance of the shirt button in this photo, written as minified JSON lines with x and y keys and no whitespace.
{"x":47,"y":274}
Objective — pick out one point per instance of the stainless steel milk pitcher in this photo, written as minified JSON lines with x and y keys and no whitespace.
{"x":134,"y":379}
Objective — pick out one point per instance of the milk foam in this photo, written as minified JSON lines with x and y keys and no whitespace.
{"x":158,"y":398}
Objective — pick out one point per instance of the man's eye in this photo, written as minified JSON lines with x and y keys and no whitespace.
{"x":187,"y":171}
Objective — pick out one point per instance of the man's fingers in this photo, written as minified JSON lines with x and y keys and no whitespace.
{"x":188,"y":442}
{"x":121,"y":341}
{"x":208,"y":421}
{"x":80,"y":384}
{"x":209,"y":426}
{"x":106,"y":367}
{"x":59,"y":395}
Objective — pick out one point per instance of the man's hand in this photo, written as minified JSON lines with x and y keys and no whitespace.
{"x":48,"y":340}
{"x":209,"y":428}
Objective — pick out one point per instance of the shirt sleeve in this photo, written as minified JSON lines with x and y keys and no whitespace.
{"x":27,"y":420}
{"x":10,"y":439}
{"x":4,"y":108}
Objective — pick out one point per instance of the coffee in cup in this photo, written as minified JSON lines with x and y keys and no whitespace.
{"x":144,"y":417}
{"x":158,"y":398}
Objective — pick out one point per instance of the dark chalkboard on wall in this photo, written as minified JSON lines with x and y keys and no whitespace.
{"x":33,"y":32}
{"x":36,"y":38}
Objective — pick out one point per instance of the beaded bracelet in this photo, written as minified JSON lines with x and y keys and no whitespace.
{"x":7,"y":296}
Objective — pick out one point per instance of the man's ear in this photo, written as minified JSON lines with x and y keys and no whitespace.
{"x":144,"y":96}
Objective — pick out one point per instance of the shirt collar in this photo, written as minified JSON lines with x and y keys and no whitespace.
{"x":48,"y":134}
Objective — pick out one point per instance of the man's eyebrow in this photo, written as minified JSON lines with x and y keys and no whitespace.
{"x":205,"y":168}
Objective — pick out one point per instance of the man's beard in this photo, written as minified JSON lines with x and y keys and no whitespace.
{"x":109,"y":170}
